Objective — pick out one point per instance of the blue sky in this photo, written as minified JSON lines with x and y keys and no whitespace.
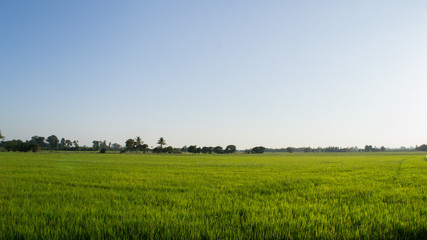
{"x":271,"y":73}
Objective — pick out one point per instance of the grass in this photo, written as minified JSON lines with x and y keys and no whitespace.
{"x":269,"y":196}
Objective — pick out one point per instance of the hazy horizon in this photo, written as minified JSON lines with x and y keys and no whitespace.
{"x":248,"y":73}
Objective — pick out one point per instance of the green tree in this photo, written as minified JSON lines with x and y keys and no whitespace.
{"x":157,"y":150}
{"x":68,"y":143}
{"x":62,"y":143}
{"x":1,"y":136}
{"x":192,"y":149}
{"x":369,"y":148}
{"x":169,"y":149}
{"x":53,"y":141}
{"x":205,"y":149}
{"x":144,"y":148}
{"x":290,"y":149}
{"x":259,"y":149}
{"x":230,"y":149}
{"x":95,"y":145}
{"x":115,"y":147}
{"x":76,"y":144}
{"x":35,"y":147}
{"x":184,"y":149}
{"x":421,"y":148}
{"x":138,"y":143}
{"x":218,"y":149}
{"x":39,"y":140}
{"x":130,"y":144}
{"x":307,"y":149}
{"x":161,"y":142}
{"x":103,"y":144}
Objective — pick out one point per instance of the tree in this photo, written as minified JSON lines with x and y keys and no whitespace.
{"x":62,"y":143}
{"x":39,"y":140}
{"x":421,"y":148}
{"x":1,"y":136}
{"x":210,"y":150}
{"x":53,"y":141}
{"x":157,"y":150}
{"x":18,"y":145}
{"x":259,"y":149}
{"x":382,"y":149}
{"x":368,"y":148}
{"x":184,"y":149}
{"x":144,"y":148}
{"x":139,"y":144}
{"x":290,"y":149}
{"x":103,"y":144}
{"x":192,"y":149}
{"x":95,"y":145}
{"x":138,"y":141}
{"x":230,"y":149}
{"x":205,"y":149}
{"x":115,"y":147}
{"x":68,"y":143}
{"x":161,"y":142}
{"x":11,"y":146}
{"x":169,"y":149}
{"x":35,"y":147}
{"x":76,"y":144}
{"x":130,"y":144}
{"x":218,"y":149}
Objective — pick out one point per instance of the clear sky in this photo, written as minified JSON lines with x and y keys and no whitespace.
{"x":271,"y":73}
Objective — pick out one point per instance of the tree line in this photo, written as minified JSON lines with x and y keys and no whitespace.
{"x":209,"y":149}
{"x":367,"y":148}
{"x":421,"y":148}
{"x":137,"y":145}
{"x":37,"y":143}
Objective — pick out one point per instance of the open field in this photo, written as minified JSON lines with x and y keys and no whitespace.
{"x":269,"y":196}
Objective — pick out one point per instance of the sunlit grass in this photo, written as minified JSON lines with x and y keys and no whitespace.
{"x":270,"y":196}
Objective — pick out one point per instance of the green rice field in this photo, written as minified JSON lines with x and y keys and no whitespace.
{"x":235,"y":196}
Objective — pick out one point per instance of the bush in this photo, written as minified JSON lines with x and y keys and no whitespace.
{"x":103,"y":150}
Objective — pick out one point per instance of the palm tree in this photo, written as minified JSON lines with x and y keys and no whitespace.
{"x":161,"y":142}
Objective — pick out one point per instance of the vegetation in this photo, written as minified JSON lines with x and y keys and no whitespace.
{"x":258,"y":150}
{"x":421,"y":148}
{"x":367,"y":148}
{"x":161,"y":142}
{"x":137,"y":145}
{"x":240,"y":196}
